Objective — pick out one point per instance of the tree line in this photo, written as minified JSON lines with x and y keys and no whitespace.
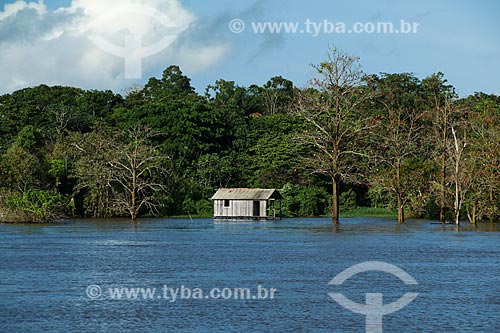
{"x":348,"y":139}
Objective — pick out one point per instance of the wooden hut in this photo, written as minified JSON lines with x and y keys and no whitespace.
{"x":247,"y":203}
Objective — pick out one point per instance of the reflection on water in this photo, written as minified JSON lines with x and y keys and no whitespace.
{"x":46,"y":269}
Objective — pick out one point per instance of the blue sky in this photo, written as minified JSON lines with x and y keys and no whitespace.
{"x":42,"y":43}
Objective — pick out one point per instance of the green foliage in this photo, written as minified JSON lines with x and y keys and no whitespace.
{"x":27,"y":137}
{"x":272,"y":155}
{"x":431,"y":209}
{"x":62,"y":142}
{"x":35,"y":206}
{"x":347,"y":200}
{"x":58,"y":168}
{"x":302,"y":200}
{"x":380,"y":198}
{"x":370,"y":212}
{"x":202,"y":207}
{"x":214,"y":170}
{"x":20,"y":169}
{"x":91,"y":152}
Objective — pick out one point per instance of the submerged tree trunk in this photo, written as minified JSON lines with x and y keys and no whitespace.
{"x":335,"y":122}
{"x":459,"y":147}
{"x":472,"y":217}
{"x":399,"y":194}
{"x":401,"y":210}
{"x":442,"y":194}
{"x":442,"y":176}
{"x":335,"y":201}
{"x":137,"y":173}
{"x":492,"y":204}
{"x":458,"y":203}
{"x":133,"y":211}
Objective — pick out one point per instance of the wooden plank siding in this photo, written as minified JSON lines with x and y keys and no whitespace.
{"x":243,"y":203}
{"x":238,"y":209}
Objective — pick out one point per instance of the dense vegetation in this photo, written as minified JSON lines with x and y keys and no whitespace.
{"x":389,"y":141}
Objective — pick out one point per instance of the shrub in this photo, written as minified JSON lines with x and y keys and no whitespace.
{"x":302,"y":200}
{"x":347,"y":201}
{"x":34,"y":206}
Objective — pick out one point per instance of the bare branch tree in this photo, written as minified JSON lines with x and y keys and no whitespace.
{"x":121,"y":173}
{"x":397,"y":139}
{"x":336,"y":126}
{"x":138,"y":172}
{"x":92,"y":151}
{"x":484,"y":153}
{"x":441,"y":97}
{"x":461,"y":177}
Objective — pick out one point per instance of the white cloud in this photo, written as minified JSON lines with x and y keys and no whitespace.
{"x":38,"y":45}
{"x":11,"y":9}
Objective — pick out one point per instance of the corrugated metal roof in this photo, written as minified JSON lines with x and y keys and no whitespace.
{"x":246,"y":194}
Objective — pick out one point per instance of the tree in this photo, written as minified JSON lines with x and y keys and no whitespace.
{"x":120,"y":173}
{"x":336,"y":125}
{"x":19,"y":169}
{"x":272,"y":155}
{"x":34,"y":206}
{"x":92,"y":152}
{"x":172,"y":83}
{"x":397,"y":138}
{"x":23,"y":182}
{"x":461,"y":176}
{"x":277,"y":95}
{"x":62,"y":116}
{"x":483,"y":154}
{"x":439,"y":96}
{"x":137,"y":172}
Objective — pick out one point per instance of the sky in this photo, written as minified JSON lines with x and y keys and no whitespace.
{"x":117,"y":44}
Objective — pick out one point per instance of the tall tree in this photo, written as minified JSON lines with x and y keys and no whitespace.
{"x":336,"y":124}
{"x":483,"y":154}
{"x":120,"y":173}
{"x":19,"y":169}
{"x":22,"y":166}
{"x":138,"y":173}
{"x":439,"y":96}
{"x":462,"y":170}
{"x":91,"y":153}
{"x":277,"y":95}
{"x":397,"y":138}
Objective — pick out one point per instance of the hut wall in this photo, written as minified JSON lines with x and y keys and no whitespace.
{"x":263,"y":208}
{"x":238,"y":208}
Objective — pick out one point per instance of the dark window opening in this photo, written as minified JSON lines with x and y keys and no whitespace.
{"x":226,"y":203}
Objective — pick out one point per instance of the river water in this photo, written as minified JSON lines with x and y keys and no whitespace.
{"x":65,"y":277}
